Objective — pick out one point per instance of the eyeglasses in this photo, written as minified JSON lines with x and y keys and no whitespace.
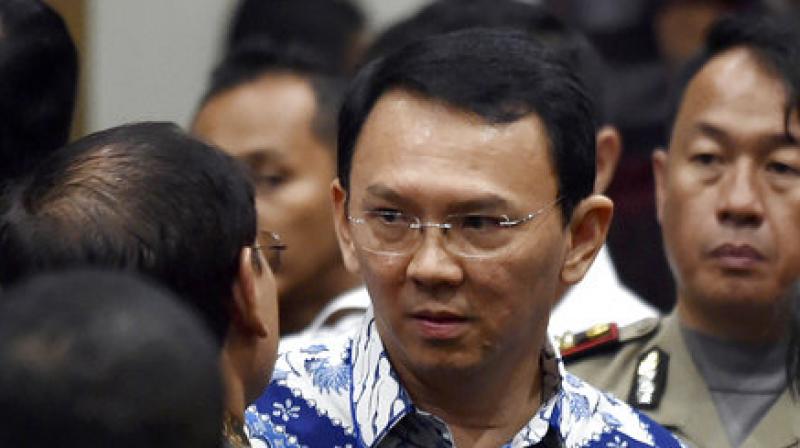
{"x":394,"y":233}
{"x":272,"y":242}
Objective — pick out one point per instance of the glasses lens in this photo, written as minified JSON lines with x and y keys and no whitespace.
{"x":385,"y":232}
{"x":477,"y":235}
{"x":389,"y":232}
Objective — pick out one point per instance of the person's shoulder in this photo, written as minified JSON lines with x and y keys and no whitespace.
{"x":605,"y":340}
{"x":305,"y":343}
{"x":322,"y":364}
{"x":640,"y":430}
{"x":308,"y":397}
{"x":606,"y":356}
{"x":596,"y":418}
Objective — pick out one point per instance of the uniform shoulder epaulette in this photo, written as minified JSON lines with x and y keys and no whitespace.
{"x":603,"y":337}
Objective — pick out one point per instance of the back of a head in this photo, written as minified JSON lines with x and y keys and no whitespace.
{"x":94,"y":358}
{"x":38,"y":85}
{"x":143,"y":197}
{"x":501,"y":76}
{"x":775,"y":40}
{"x":331,"y":27}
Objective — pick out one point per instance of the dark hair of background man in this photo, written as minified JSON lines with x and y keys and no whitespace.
{"x":99,"y":359}
{"x":256,"y":57}
{"x":143,"y":197}
{"x":501,"y":76}
{"x":331,"y":27}
{"x":38,"y":85}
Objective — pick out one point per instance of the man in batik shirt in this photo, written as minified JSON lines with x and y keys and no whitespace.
{"x":465,"y":200}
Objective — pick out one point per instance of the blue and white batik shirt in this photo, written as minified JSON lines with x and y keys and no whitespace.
{"x":344,"y":393}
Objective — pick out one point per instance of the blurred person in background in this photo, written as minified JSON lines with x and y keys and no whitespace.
{"x":728,"y":200}
{"x":38,"y":85}
{"x":273,"y":108}
{"x":644,"y":44}
{"x":600,"y":298}
{"x":333,"y":28}
{"x":785,"y":6}
{"x":102,"y":359}
{"x":148,"y":198}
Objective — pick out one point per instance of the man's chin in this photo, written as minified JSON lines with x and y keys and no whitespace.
{"x":741,"y":295}
{"x":444,"y":364}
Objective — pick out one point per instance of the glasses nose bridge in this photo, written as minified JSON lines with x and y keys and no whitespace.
{"x":422,"y":225}
{"x":443,"y":226}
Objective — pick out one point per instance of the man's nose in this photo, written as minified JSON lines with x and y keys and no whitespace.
{"x":740,"y":201}
{"x":432,"y":265}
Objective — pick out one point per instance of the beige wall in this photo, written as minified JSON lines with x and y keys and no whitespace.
{"x":380,"y":13}
{"x":150,"y":59}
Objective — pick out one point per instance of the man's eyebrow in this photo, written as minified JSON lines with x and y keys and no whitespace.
{"x":487,"y":201}
{"x":769,"y":141}
{"x":259,"y":156}
{"x":713,"y":131}
{"x":384,"y":192}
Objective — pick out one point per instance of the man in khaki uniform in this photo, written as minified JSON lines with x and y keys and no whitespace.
{"x":728,"y":198}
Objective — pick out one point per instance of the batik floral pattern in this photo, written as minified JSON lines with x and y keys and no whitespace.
{"x":344,"y":392}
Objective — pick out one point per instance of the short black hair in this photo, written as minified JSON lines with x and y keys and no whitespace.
{"x":500,"y":75}
{"x":775,"y":40}
{"x":94,"y":358}
{"x":38,"y":85}
{"x":143,"y":197}
{"x":256,"y":57}
{"x":331,"y":27}
{"x":445,"y":16}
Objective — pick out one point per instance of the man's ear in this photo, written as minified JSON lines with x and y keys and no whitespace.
{"x":342,"y":225}
{"x":247,"y":316}
{"x":609,"y":150}
{"x":659,"y":159}
{"x":588,"y":227}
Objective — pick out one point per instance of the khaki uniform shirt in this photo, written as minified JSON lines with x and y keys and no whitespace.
{"x":686,"y":407}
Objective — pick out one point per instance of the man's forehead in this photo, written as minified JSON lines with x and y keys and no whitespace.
{"x":421,"y":147}
{"x":399,"y":100}
{"x":420,"y":120}
{"x":733,"y":85}
{"x":736,"y":72}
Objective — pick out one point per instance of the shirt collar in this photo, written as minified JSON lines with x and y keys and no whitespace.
{"x":379,"y":401}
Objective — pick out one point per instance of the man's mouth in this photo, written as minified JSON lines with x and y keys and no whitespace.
{"x":440,"y":325}
{"x":737,"y":256}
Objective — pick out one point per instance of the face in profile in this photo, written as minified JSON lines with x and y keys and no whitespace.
{"x":471,"y":295}
{"x":265,"y":262}
{"x":267,"y":124}
{"x":728,"y":190}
